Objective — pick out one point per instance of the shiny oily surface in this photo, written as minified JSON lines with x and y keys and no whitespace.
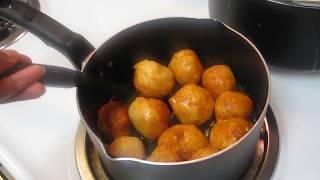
{"x":152,"y":79}
{"x":232,"y":104}
{"x":186,"y":66}
{"x":192,"y":104}
{"x":127,"y":146}
{"x":204,"y":152}
{"x":149,"y":116}
{"x":182,"y":139}
{"x":218,"y":79}
{"x":113,"y":120}
{"x":164,"y":154}
{"x":227,"y":132}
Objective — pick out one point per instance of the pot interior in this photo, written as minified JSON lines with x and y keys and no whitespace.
{"x":158,"y":40}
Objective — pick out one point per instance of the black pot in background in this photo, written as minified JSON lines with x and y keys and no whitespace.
{"x":288,"y":35}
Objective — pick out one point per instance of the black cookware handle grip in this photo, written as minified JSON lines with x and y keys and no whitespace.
{"x":61,"y":77}
{"x":74,"y":46}
{"x":56,"y":76}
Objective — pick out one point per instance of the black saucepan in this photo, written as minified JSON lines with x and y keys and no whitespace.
{"x":214,"y":42}
{"x":286,"y":31}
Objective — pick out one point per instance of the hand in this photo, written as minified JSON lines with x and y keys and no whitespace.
{"x":22,"y":84}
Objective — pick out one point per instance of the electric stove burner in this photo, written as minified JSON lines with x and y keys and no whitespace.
{"x":263,"y":165}
{"x":9,"y":32}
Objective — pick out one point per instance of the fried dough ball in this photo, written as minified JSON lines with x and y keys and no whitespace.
{"x":218,"y":79}
{"x":227,"y":132}
{"x":113,"y":120}
{"x":127,"y":146}
{"x":204,"y":152}
{"x":164,"y":154}
{"x":183,"y":139}
{"x":149,"y":116}
{"x":151,"y":79}
{"x":192,"y":104}
{"x":186,"y":67}
{"x":233,"y":105}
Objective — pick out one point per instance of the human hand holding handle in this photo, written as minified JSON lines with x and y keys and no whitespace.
{"x":21,"y":84}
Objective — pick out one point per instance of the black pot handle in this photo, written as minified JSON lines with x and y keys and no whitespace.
{"x":61,"y":77}
{"x":74,"y":46}
{"x":56,"y":76}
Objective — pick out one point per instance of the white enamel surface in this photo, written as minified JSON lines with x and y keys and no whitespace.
{"x":295,"y":100}
{"x":37,"y":137}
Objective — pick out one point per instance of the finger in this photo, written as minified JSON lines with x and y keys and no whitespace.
{"x":20,"y":57}
{"x":11,"y":85}
{"x":25,"y":59}
{"x":6,"y":62}
{"x":34,"y":91}
{"x":10,"y":52}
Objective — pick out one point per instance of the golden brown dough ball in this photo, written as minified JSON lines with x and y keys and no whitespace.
{"x":218,"y":79}
{"x":113,"y":120}
{"x":149,"y":116}
{"x":192,"y":104}
{"x":186,"y":67}
{"x":151,"y":79}
{"x":204,"y":152}
{"x":164,"y":154}
{"x":233,"y":105}
{"x":227,"y":132}
{"x":185,"y":140}
{"x":127,"y":146}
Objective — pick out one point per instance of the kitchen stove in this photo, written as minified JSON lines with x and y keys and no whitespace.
{"x":37,"y":137}
{"x":9,"y":33}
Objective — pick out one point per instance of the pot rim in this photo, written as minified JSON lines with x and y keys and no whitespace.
{"x":261,"y":117}
{"x":294,"y":5}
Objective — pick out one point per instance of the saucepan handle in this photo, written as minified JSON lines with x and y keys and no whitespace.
{"x":61,"y":77}
{"x":56,"y":76}
{"x":74,"y":46}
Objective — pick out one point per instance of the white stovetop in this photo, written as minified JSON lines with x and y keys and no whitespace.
{"x":37,"y":137}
